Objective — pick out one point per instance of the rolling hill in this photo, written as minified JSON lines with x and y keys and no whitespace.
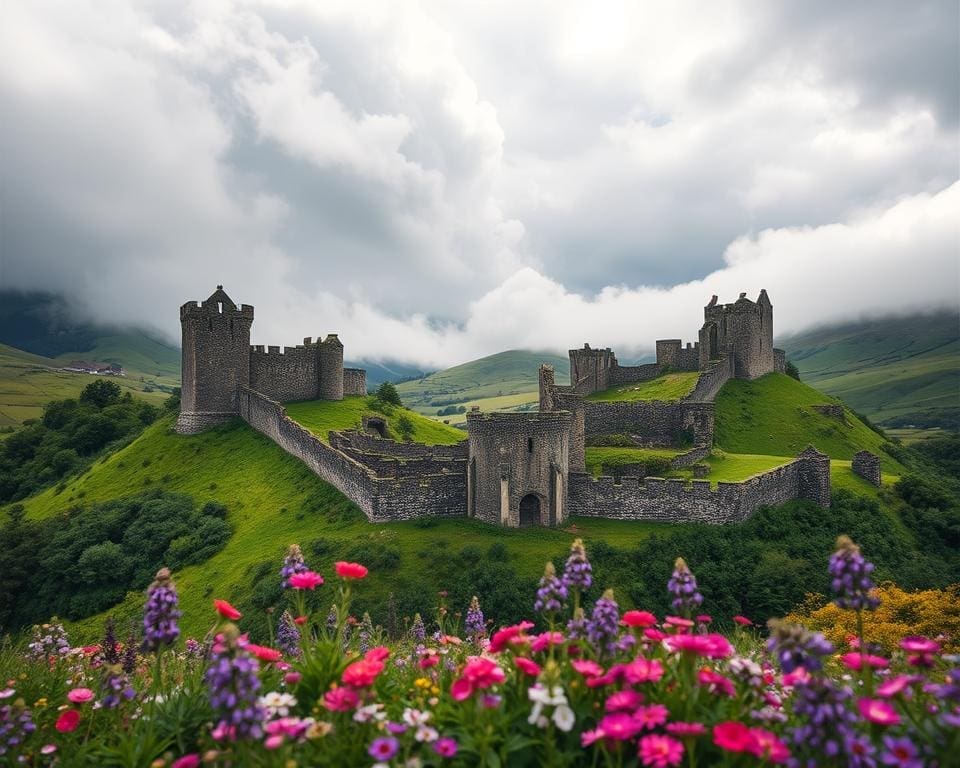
{"x":897,"y":371}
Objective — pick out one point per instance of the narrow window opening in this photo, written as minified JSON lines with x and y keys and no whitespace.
{"x":529,"y":445}
{"x":220,"y":307}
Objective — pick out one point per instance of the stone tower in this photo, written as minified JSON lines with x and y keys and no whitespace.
{"x":590,"y":369}
{"x":742,"y":330}
{"x":216,"y":360}
{"x":517,"y":468}
{"x":331,"y":368}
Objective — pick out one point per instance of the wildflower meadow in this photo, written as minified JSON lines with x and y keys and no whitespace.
{"x":576,"y":685}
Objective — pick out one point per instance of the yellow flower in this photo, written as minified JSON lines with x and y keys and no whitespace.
{"x":422,"y":682}
{"x":435,"y":690}
{"x":41,"y":702}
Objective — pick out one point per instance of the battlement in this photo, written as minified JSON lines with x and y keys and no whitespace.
{"x":218,"y":303}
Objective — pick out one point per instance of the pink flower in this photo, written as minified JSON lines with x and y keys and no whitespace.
{"x":430,"y":660}
{"x":541,"y":642}
{"x":678,"y":621}
{"x":263,"y":653}
{"x":445,"y":747}
{"x":715,"y":682}
{"x":622,"y":701}
{"x":226,"y":610}
{"x":187,"y":761}
{"x":527,"y":666}
{"x":651,"y":633}
{"x":643,"y":670}
{"x":80,"y":695}
{"x":704,"y":618}
{"x":586,"y":667}
{"x":361,"y":674}
{"x":649,"y":717}
{"x":733,"y":736}
{"x":766,"y":745}
{"x":305,"y":580}
{"x":920,"y":650}
{"x":686,"y":729}
{"x":589,"y":737}
{"x":292,"y":678}
{"x":658,"y":751}
{"x":638,"y":619}
{"x":878,"y":711}
{"x":799,"y":675}
{"x":855,"y":661}
{"x":379,"y":653}
{"x":68,"y":721}
{"x":743,"y":621}
{"x":509,"y":635}
{"x":340,"y":699}
{"x":894,"y":685}
{"x":619,"y":726}
{"x":711,"y":646}
{"x":350,"y":570}
{"x":478,"y":674}
{"x":300,"y":620}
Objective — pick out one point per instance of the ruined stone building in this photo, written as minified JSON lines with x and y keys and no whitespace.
{"x":513,"y":469}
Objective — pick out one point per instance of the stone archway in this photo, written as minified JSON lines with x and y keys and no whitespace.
{"x":529,"y":510}
{"x":374,"y":425}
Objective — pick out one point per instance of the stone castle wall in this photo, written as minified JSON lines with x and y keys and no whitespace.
{"x":691,"y":457}
{"x":632,"y":374}
{"x":671,"y":353}
{"x":779,"y":360}
{"x":287,"y":375}
{"x":711,"y":380}
{"x":656,"y":499}
{"x":655,"y":423}
{"x":382,"y":499}
{"x":354,"y":381}
{"x":867,"y":466}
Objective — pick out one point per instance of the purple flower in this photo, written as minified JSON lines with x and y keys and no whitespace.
{"x":160,"y":613}
{"x":233,"y":682}
{"x":604,"y":625}
{"x":795,"y":646}
{"x":901,"y":753}
{"x":116,"y":687}
{"x":288,"y":636}
{"x":194,"y":649}
{"x":129,"y":659}
{"x":577,"y":573}
{"x":474,"y":623}
{"x":16,"y":725}
{"x":851,"y":577}
{"x":860,"y":752}
{"x":109,"y":651}
{"x":683,"y":587}
{"x":332,"y":619}
{"x":49,"y":640}
{"x":577,"y":626}
{"x":827,"y":723}
{"x":552,"y":594}
{"x":365,"y":634}
{"x":445,"y":747}
{"x":292,"y":563}
{"x":383,"y":748}
{"x":418,"y":631}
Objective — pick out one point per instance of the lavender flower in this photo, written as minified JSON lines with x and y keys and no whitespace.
{"x":604,"y":624}
{"x":160,"y":613}
{"x":129,"y":659}
{"x":288,"y":636}
{"x":332,"y":619}
{"x":901,"y":753}
{"x":827,"y":723}
{"x":195,"y":649}
{"x":683,"y":587}
{"x":292,"y":563}
{"x":49,"y":640}
{"x":233,"y":682}
{"x":418,"y":631}
{"x":16,"y":725}
{"x":577,"y":573}
{"x":365,"y":634}
{"x":474,"y":623}
{"x":551,"y":595}
{"x":796,"y":646}
{"x":116,"y":687}
{"x":577,"y":626}
{"x":109,"y":651}
{"x":851,"y":577}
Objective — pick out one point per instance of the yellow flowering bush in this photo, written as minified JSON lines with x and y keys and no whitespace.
{"x":928,"y":612}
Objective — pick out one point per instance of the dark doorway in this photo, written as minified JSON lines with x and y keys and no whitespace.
{"x":376,"y":426}
{"x":529,"y":510}
{"x":714,"y":352}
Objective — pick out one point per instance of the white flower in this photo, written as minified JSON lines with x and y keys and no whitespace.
{"x":413,"y":762}
{"x":368,"y":713}
{"x":539,"y":694}
{"x":414,"y":717}
{"x":277,"y":704}
{"x":426,"y":734}
{"x":557,"y":696}
{"x":535,"y":713}
{"x":564,"y":718}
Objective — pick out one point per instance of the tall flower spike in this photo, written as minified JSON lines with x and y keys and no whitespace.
{"x":578,"y":573}
{"x":474,"y":623}
{"x":851,"y":577}
{"x":234,"y":684}
{"x":292,"y":563}
{"x":365,"y":635}
{"x":683,"y":587}
{"x":551,"y":595}
{"x":795,"y":646}
{"x":604,"y":624}
{"x":418,"y":631}
{"x":111,"y":655}
{"x":288,"y":636}
{"x":160,"y":613}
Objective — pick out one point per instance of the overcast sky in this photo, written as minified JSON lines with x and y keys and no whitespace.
{"x":438,"y":181}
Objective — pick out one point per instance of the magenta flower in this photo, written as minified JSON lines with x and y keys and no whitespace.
{"x":643,"y":670}
{"x":619,"y":727}
{"x":445,"y":747}
{"x":622,"y":701}
{"x":657,"y":751}
{"x":383,"y":748}
{"x":895,"y":685}
{"x":80,"y":695}
{"x":651,"y":716}
{"x":878,"y":711}
{"x":901,"y":753}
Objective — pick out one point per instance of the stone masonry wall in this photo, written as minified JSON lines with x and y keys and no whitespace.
{"x":381,"y":499}
{"x":354,"y":381}
{"x":657,"y":424}
{"x":285,"y":376}
{"x":779,"y":360}
{"x":711,"y":380}
{"x":867,"y":465}
{"x":631,"y":374}
{"x":691,"y":457}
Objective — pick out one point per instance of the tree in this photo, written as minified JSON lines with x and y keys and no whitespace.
{"x":405,"y":427}
{"x":387,"y":393}
{"x":100,"y":393}
{"x":792,"y":370}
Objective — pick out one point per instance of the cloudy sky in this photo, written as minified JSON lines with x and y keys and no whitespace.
{"x":438,"y":181}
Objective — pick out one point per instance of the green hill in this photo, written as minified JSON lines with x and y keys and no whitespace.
{"x":897,"y":371}
{"x":504,"y":381}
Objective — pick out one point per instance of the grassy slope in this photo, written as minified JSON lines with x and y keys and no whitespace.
{"x":27,"y":382}
{"x":320,"y":416}
{"x":273,"y":501}
{"x":598,"y":457}
{"x":506,"y":373}
{"x":884,"y":368}
{"x":670,"y":386}
{"x":772,"y":415}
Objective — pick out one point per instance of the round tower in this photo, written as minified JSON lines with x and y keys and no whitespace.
{"x":215,"y":360}
{"x":331,"y":368}
{"x":517,"y":467}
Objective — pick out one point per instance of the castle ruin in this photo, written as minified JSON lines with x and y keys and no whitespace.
{"x":513,"y":469}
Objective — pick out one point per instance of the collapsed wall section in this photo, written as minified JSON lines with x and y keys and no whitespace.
{"x":711,"y":381}
{"x":382,"y":499}
{"x":654,"y":423}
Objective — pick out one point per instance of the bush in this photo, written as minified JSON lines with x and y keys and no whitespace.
{"x":387,"y":393}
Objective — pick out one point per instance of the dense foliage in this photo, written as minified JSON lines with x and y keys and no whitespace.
{"x":87,"y":559}
{"x":68,"y":435}
{"x":583,"y":685}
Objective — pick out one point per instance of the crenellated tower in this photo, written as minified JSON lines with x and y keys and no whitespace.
{"x":742,"y":330}
{"x":216,"y":360}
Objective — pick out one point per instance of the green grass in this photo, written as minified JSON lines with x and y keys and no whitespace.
{"x":273,"y":500}
{"x":321,"y":416}
{"x":773,"y":416}
{"x":603,"y":459}
{"x":668,"y":387}
{"x":736,"y":467}
{"x":885,"y":368}
{"x":28,"y":382}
